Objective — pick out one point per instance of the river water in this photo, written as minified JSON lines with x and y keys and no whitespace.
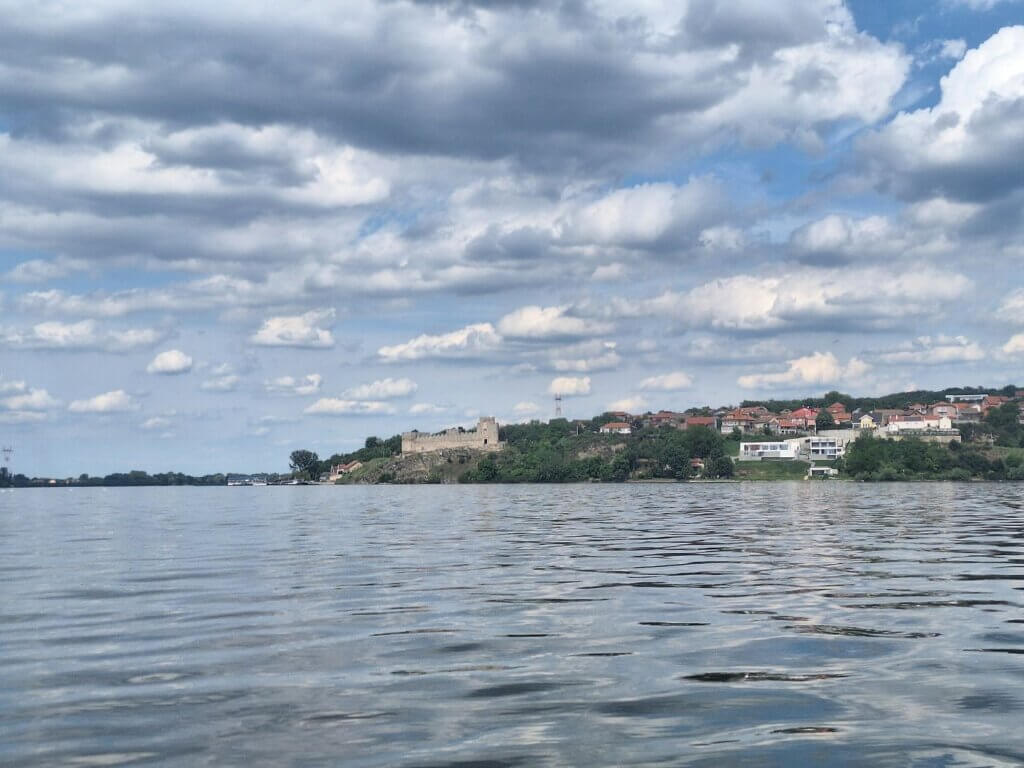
{"x":729,"y":624}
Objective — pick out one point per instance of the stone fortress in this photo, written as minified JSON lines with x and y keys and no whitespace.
{"x":483,"y":438}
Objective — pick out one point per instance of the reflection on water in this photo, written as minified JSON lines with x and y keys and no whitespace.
{"x":750,"y":624}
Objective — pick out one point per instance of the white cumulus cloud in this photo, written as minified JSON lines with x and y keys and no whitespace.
{"x":547,"y":323}
{"x":83,"y":335}
{"x":170,"y":363}
{"x":417,"y":409}
{"x":667,"y":382}
{"x":382,"y":389}
{"x":29,"y":399}
{"x":291,"y":385}
{"x":472,"y":341}
{"x":814,"y":369}
{"x":227,"y":382}
{"x":648,"y":214}
{"x":803,"y":297}
{"x":935,"y":350}
{"x":296,"y":331}
{"x":570,"y":386}
{"x":23,"y":404}
{"x":42,"y":270}
{"x":960,"y":147}
{"x":1011,"y":309}
{"x":1015,"y":345}
{"x":116,"y":401}
{"x":608,"y":272}
{"x":331,"y":406}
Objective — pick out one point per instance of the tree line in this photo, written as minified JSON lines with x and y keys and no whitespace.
{"x":554,"y":453}
{"x":308,"y":465}
{"x":134,"y":477}
{"x":895,"y":400}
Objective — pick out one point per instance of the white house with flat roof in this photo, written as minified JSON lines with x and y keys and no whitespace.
{"x":813,"y":448}
{"x":825,"y":448}
{"x":784,"y":450}
{"x":902,"y":424}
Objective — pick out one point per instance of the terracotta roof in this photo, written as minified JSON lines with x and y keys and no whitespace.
{"x":701,"y":420}
{"x":739,"y":415}
{"x":804,"y":413}
{"x":616,"y":425}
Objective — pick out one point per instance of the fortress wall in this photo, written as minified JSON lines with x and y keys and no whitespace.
{"x":485,"y":438}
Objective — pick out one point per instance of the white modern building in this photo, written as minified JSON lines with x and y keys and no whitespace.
{"x":786,"y":450}
{"x":974,"y":398}
{"x":826,"y":448}
{"x":919,"y":424}
{"x":822,"y":472}
{"x":814,"y":448}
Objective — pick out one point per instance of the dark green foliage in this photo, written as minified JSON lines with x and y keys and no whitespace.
{"x":373,"y":448}
{"x":1004,"y":423}
{"x":560,"y":452}
{"x":720,"y":467}
{"x":134,"y":478}
{"x":870,"y":458}
{"x":824,"y":420}
{"x":305,"y":464}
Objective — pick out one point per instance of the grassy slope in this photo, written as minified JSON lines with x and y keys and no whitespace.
{"x":771,"y":470}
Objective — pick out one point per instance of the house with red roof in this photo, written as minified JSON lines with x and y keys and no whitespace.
{"x":337,"y":470}
{"x":839,"y":413}
{"x":700,"y":421}
{"x":943,"y":409}
{"x":664,"y":419}
{"x":786,"y":426}
{"x":805,"y":417}
{"x":968,"y":412}
{"x":738,"y":419}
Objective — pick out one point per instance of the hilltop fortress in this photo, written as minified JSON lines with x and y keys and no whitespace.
{"x":483,"y":438}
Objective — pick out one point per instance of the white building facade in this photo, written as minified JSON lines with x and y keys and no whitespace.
{"x":786,"y":450}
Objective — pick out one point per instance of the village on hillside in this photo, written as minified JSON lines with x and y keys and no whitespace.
{"x":813,"y":439}
{"x":812,"y":434}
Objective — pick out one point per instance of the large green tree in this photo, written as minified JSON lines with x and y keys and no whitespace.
{"x":824,"y":420}
{"x":305,"y":463}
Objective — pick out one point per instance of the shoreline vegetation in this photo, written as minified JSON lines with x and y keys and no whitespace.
{"x":563,"y":451}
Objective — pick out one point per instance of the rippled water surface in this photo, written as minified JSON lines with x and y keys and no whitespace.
{"x":748,"y":624}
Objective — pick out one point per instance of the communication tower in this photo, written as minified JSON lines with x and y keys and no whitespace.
{"x":8,"y":452}
{"x":558,"y":406}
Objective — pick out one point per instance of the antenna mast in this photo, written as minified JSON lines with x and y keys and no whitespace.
{"x":558,"y":406}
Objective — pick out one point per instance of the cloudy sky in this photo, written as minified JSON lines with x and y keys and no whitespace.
{"x":232,"y":229}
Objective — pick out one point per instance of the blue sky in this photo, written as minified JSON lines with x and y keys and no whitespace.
{"x":232,"y":230}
